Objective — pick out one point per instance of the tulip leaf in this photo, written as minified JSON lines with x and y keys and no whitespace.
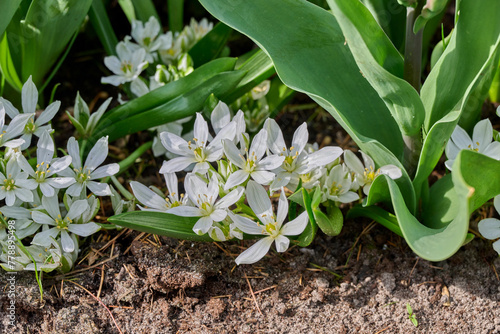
{"x":7,"y":11}
{"x":331,"y":224}
{"x":378,"y":214}
{"x":309,"y":53}
{"x":462,"y":63}
{"x":7,"y":65}
{"x":160,"y":223}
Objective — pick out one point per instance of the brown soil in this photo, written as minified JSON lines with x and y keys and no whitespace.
{"x":184,"y":287}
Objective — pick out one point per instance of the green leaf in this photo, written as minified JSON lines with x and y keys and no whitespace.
{"x":180,"y":107}
{"x":128,"y":8}
{"x":459,"y":68}
{"x":211,"y":45}
{"x":175,"y":15}
{"x":102,"y":26}
{"x":380,"y":63}
{"x":53,"y":24}
{"x":314,"y":59}
{"x":79,"y":127}
{"x":163,"y":94}
{"x":378,"y":214}
{"x":494,"y":92}
{"x":7,"y":65}
{"x":7,"y":11}
{"x":332,"y":223}
{"x":278,"y":96}
{"x":309,"y":233}
{"x":144,"y":9}
{"x":160,"y":223}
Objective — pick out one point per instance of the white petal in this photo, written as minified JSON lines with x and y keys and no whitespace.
{"x":300,"y":138}
{"x":9,"y":109}
{"x":493,"y":150}
{"x":245,"y":224}
{"x":233,"y":154}
{"x":258,"y":146}
{"x":176,"y":165}
{"x":227,"y":132}
{"x":258,"y":198}
{"x":281,"y":180}
{"x":45,"y":148}
{"x":353,"y":162}
{"x":49,"y":113}
{"x":262,"y":177}
{"x":202,"y":225}
{"x":75,"y":189}
{"x":256,"y":252}
{"x":172,"y":183}
{"x":114,"y":64}
{"x":74,"y":152}
{"x":97,"y":154}
{"x":185,"y":211}
{"x":77,"y":208}
{"x":115,"y":80}
{"x":325,"y":156}
{"x":46,"y":189}
{"x":296,"y":226}
{"x":392,"y":171}
{"x":100,"y":189}
{"x":61,"y":182}
{"x":451,"y":150}
{"x":461,"y":138}
{"x":103,"y":171}
{"x":282,"y":243}
{"x":482,"y":134}
{"x":271,"y":162}
{"x":220,"y":116}
{"x":489,"y":228}
{"x":275,"y":140}
{"x":368,"y":161}
{"x":45,"y":238}
{"x":496,"y":203}
{"x":230,"y":198}
{"x":24,"y":195}
{"x":218,"y":215}
{"x":201,"y":130}
{"x":29,"y":96}
{"x":84,"y":230}
{"x":282,"y":209}
{"x":148,"y":197}
{"x":348,"y":197}
{"x":42,"y":218}
{"x":66,"y":242}
{"x":236,"y":178}
{"x":58,"y":165}
{"x":173,"y":143}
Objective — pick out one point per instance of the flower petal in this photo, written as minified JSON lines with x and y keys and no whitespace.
{"x":218,"y":215}
{"x":49,"y":113}
{"x":173,"y":143}
{"x":245,"y":224}
{"x":45,"y":238}
{"x":482,"y":134}
{"x":84,"y":230}
{"x":300,"y":138}
{"x":392,"y":171}
{"x":176,"y":164}
{"x":100,"y":189}
{"x":230,"y":198}
{"x":74,"y":152}
{"x":203,"y":225}
{"x":489,"y":228}
{"x":97,"y":154}
{"x":258,"y":198}
{"x":220,"y":116}
{"x":296,"y":226}
{"x":281,"y":243}
{"x":232,"y":153}
{"x":42,"y":218}
{"x":236,"y":179}
{"x":262,"y":177}
{"x":29,"y":95}
{"x":147,"y":196}
{"x":103,"y":171}
{"x":185,"y":211}
{"x":282,"y":208}
{"x":256,"y":252}
{"x":200,"y":130}
{"x":66,"y":242}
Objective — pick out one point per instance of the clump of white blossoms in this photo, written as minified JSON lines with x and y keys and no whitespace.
{"x":227,"y":168}
{"x":126,"y":66}
{"x":481,"y":141}
{"x":31,"y":188}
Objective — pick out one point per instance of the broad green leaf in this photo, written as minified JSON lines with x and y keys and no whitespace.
{"x":160,"y":223}
{"x":180,"y":107}
{"x":7,"y":11}
{"x":380,"y":63}
{"x":378,"y":214}
{"x":494,"y":92}
{"x":53,"y":23}
{"x":331,"y":224}
{"x":102,"y":26}
{"x":164,"y":94}
{"x":431,"y":9}
{"x":474,"y":43}
{"x":474,"y":180}
{"x":278,"y":96}
{"x":313,"y":58}
{"x":211,"y":45}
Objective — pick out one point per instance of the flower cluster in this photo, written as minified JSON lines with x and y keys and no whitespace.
{"x":31,"y":189}
{"x":245,"y":167}
{"x":146,"y":46}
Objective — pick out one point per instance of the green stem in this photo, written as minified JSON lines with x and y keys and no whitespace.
{"x":129,"y":161}
{"x":122,"y":189}
{"x":412,"y":74}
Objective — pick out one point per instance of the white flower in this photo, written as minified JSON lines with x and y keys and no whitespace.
{"x":146,"y":35}
{"x":197,"y":151}
{"x":253,"y":165}
{"x":208,"y":208}
{"x":481,"y":142}
{"x":272,"y":226}
{"x":490,"y":227}
{"x":364,"y":174}
{"x":14,"y":129}
{"x":155,"y":202}
{"x":297,"y":161}
{"x":176,"y":128}
{"x":127,"y":66}
{"x":24,"y":225}
{"x":46,"y":167}
{"x":86,"y":174}
{"x":62,"y":225}
{"x":83,"y":121}
{"x":29,"y":96}
{"x":15,"y":184}
{"x":337,"y":186}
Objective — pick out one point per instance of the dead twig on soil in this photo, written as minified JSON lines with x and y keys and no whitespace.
{"x":383,"y":329}
{"x":102,"y":281}
{"x":90,"y":293}
{"x":253,"y":295}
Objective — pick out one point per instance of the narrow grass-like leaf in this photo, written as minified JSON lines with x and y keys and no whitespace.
{"x":160,"y":223}
{"x":102,"y":26}
{"x":211,"y":45}
{"x":128,"y":8}
{"x":175,"y":15}
{"x":309,"y":233}
{"x":144,"y":9}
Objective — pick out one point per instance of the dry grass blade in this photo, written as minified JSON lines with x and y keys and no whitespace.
{"x":253,"y":295}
